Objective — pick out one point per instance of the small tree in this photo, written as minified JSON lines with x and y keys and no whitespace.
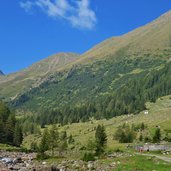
{"x":18,"y":135}
{"x":101,"y":139}
{"x":62,"y":146}
{"x":157,"y":136}
{"x":141,"y":137}
{"x":53,"y":138}
{"x":9,"y":128}
{"x":34,"y":147}
{"x":125,"y":134}
{"x":44,"y":144}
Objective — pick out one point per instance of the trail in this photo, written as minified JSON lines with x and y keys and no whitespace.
{"x":166,"y":159}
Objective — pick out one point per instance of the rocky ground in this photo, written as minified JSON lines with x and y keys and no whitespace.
{"x":17,"y":161}
{"x":25,"y":162}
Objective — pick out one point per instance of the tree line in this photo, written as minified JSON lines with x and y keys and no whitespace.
{"x":129,"y":98}
{"x":10,"y":129}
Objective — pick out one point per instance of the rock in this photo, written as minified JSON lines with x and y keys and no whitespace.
{"x":76,"y":165}
{"x":113,"y":164}
{"x":53,"y":168}
{"x":90,"y":165}
{"x":17,"y":160}
{"x":63,"y":168}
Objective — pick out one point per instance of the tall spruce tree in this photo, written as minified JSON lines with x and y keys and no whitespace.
{"x":18,"y":136}
{"x":101,"y":139}
{"x":44,"y":144}
{"x":53,"y":138}
{"x":157,"y":136}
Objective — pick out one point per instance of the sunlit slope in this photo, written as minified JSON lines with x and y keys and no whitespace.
{"x":18,"y":82}
{"x":154,"y":36}
{"x":69,"y":78}
{"x":159,"y":115}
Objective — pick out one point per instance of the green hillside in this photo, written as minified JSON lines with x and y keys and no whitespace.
{"x":83,"y":135}
{"x":158,"y":115}
{"x":115,"y":77}
{"x":13,"y":84}
{"x":150,"y":38}
{"x":97,"y":96}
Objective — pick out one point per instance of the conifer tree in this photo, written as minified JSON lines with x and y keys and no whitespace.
{"x":53,"y":138}
{"x":157,"y":136}
{"x":44,"y":144}
{"x":101,"y":139}
{"x":18,"y":136}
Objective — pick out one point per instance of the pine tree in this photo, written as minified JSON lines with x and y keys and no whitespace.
{"x":9,"y":128}
{"x":18,"y":136}
{"x":2,"y":136}
{"x":34,"y":147}
{"x":53,"y":138}
{"x":44,"y":144}
{"x":125,"y":134}
{"x":157,"y":136}
{"x":101,"y":139}
{"x":62,"y":145}
{"x":141,"y":137}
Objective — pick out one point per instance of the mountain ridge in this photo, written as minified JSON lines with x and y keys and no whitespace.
{"x":33,"y":74}
{"x":151,"y":42}
{"x":117,"y":42}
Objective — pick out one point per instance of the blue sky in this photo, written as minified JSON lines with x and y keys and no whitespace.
{"x":31,"y":30}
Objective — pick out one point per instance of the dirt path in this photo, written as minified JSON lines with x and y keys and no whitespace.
{"x":167,"y":159}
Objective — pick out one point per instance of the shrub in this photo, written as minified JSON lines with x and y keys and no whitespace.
{"x":42,"y":156}
{"x":88,"y":157}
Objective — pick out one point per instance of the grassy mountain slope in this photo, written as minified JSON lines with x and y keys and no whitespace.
{"x":105,"y":68}
{"x":128,"y":158}
{"x":80,"y":95}
{"x":148,"y":39}
{"x":100,"y":73}
{"x":152,"y":37}
{"x":15,"y":83}
{"x":159,"y":115}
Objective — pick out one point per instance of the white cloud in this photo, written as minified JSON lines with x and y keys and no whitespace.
{"x":27,"y":5}
{"x":78,"y":13}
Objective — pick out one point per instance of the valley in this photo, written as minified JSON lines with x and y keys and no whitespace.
{"x":106,"y":109}
{"x":119,"y":156}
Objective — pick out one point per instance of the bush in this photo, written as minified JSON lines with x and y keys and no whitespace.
{"x":88,"y":157}
{"x":118,"y":150}
{"x":125,"y":134}
{"x":157,"y":136}
{"x":42,"y":156}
